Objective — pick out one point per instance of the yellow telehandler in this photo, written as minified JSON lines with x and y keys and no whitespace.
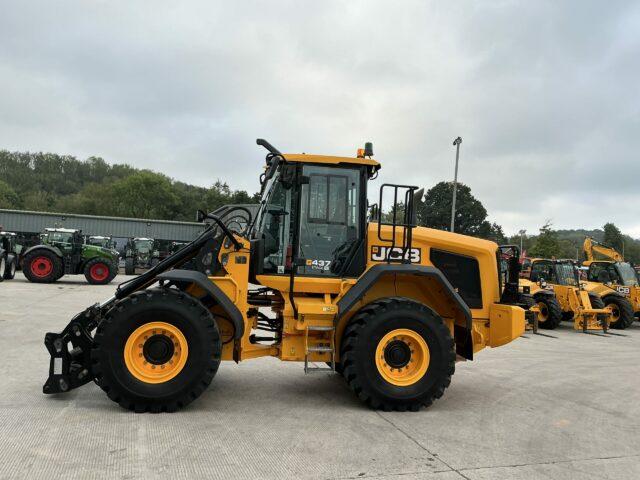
{"x":560,"y":279}
{"x":615,"y":280}
{"x":308,"y":278}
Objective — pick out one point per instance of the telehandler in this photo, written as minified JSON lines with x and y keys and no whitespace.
{"x":612,"y":279}
{"x":571,"y":301}
{"x":389,"y":304}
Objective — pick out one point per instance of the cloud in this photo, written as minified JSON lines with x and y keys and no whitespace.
{"x":544,"y":93}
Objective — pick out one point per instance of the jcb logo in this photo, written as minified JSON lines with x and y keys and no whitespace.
{"x":624,"y":290}
{"x":382,"y":254}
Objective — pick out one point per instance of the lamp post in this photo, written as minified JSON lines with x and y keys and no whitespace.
{"x":521,"y":233}
{"x":456,"y":143}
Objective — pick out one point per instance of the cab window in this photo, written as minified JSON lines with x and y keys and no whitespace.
{"x":543,"y":271}
{"x":275,"y":226}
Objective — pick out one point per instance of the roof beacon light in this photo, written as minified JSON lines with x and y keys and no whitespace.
{"x":368,"y":149}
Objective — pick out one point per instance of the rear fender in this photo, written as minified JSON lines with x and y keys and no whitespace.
{"x":43,"y":247}
{"x":427,"y":280}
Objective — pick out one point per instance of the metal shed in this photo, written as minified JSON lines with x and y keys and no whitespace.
{"x":25,"y":221}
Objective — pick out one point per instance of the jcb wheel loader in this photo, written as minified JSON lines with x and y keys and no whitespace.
{"x":560,"y":279}
{"x":393,"y":304}
{"x":614,"y":280}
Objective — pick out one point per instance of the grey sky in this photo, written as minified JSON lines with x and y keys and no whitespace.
{"x":545,"y":94}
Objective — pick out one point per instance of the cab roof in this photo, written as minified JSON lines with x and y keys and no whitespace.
{"x":64,"y":230}
{"x":327,"y":159}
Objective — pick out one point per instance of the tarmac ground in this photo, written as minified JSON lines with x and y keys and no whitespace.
{"x":566,"y":407}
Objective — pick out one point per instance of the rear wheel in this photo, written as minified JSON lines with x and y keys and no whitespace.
{"x":42,"y":266}
{"x":550,"y":314}
{"x":99,"y":271}
{"x":157,"y":350}
{"x":397,"y":354}
{"x":621,"y":311}
{"x":3,"y":266}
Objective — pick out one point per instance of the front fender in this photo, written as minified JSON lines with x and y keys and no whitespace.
{"x":183,"y":278}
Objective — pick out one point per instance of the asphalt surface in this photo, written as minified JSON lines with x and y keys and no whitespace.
{"x":557,"y":408}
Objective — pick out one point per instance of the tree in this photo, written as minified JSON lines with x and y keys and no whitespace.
{"x":547,"y":244}
{"x":613,"y":237}
{"x":144,"y":194}
{"x":51,"y":182}
{"x":434,"y":211}
{"x":8,"y":196}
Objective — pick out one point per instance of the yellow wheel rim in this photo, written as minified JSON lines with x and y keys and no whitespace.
{"x":544,"y":311}
{"x":156,"y":352}
{"x":615,"y":312}
{"x":402,"y":357}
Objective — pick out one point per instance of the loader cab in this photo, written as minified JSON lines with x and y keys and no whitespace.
{"x":621,"y":273}
{"x":554,"y":272}
{"x":312,"y":213}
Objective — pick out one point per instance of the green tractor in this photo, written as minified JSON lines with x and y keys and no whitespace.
{"x":142,"y":253}
{"x":8,"y":256}
{"x":62,"y":251}
{"x":100,"y":241}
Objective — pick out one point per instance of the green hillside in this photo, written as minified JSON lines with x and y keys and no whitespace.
{"x":57,"y":183}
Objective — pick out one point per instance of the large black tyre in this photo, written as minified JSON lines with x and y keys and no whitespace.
{"x":9,"y":270}
{"x":596,"y":301}
{"x":622,"y":311}
{"x":3,"y":265}
{"x":42,"y":266}
{"x":568,"y":316}
{"x":550,"y":311}
{"x":527,"y":301}
{"x":99,"y":271}
{"x":366,"y":333}
{"x":129,"y":266}
{"x":169,"y":306}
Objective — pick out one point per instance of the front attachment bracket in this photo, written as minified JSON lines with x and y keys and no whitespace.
{"x":70,"y":364}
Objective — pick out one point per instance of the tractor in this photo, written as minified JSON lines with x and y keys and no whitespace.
{"x":62,"y":251}
{"x":140,"y":253}
{"x":309,"y":278}
{"x":8,"y":256}
{"x":101,"y":241}
{"x":612,"y":278}
{"x":556,"y":288}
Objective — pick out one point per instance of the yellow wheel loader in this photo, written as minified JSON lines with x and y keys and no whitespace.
{"x":309,"y":278}
{"x":615,"y":280}
{"x":560,"y":279}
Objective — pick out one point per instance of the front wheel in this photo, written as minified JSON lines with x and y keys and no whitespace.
{"x":397,"y":354}
{"x":156,"y":350}
{"x":129,"y":266}
{"x":621,"y":311}
{"x":9,"y":271}
{"x":550,"y":312}
{"x":98,"y":271}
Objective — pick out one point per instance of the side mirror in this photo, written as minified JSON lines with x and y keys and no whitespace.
{"x":417,"y":197}
{"x":200,"y":216}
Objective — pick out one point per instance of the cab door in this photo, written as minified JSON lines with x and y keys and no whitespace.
{"x":331,"y":222}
